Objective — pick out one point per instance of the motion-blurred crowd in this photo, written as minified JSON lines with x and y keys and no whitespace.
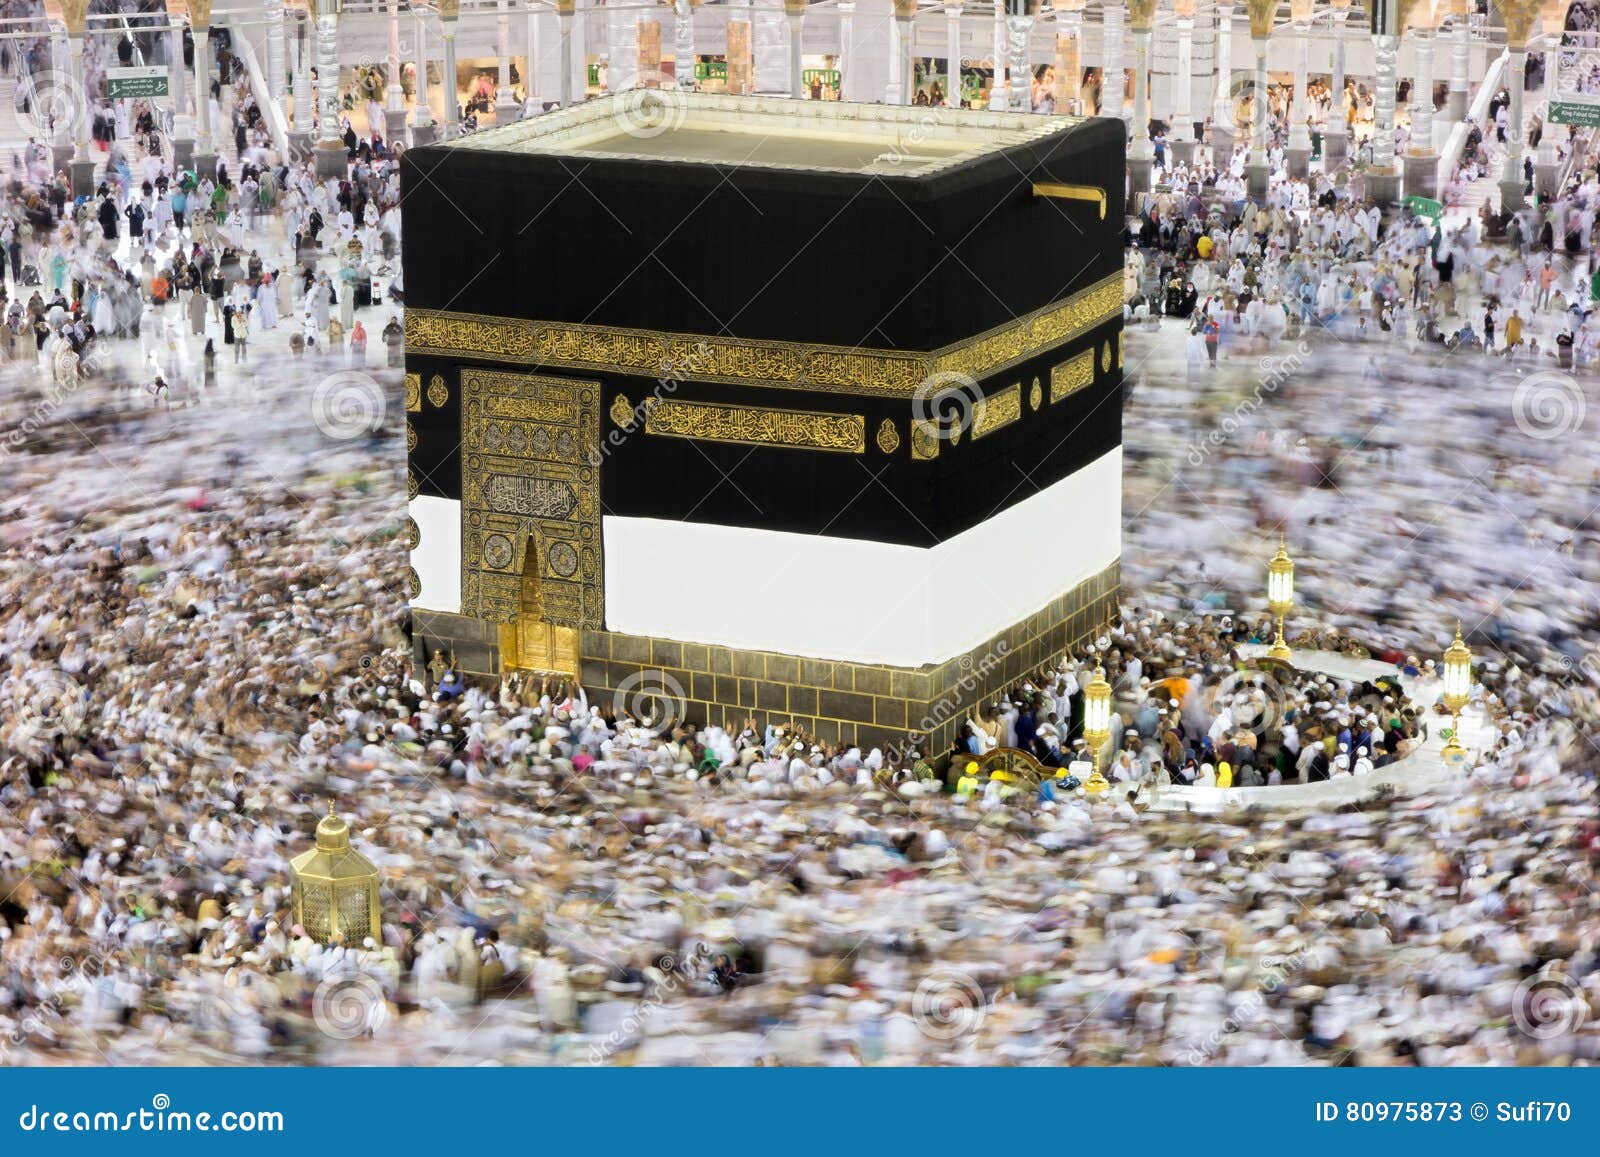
{"x":203,"y":641}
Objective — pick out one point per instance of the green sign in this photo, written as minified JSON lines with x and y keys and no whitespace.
{"x":594,"y":76}
{"x":711,"y":70}
{"x":123,"y":83}
{"x":1425,"y":207}
{"x":827,"y":77}
{"x":1566,"y":112}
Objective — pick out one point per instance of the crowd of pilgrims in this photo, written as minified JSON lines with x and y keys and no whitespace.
{"x":1314,"y":257}
{"x":564,"y":883}
{"x":153,"y":255}
{"x":203,"y":641}
{"x":1184,"y":714}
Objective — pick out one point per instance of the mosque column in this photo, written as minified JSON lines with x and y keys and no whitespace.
{"x":952,"y":55}
{"x":997,"y":91}
{"x":1113,"y":80}
{"x":506,"y":106}
{"x":683,"y":45}
{"x":899,"y":90}
{"x":847,"y":11}
{"x":1258,"y":168}
{"x":60,"y":137}
{"x":423,"y":130}
{"x":277,"y":61}
{"x":1518,"y":16}
{"x":1069,"y":55}
{"x":1141,"y":153}
{"x":1335,"y":137}
{"x":74,"y":15}
{"x":795,"y":11}
{"x":1019,"y":29}
{"x":533,"y":71}
{"x":449,"y":15}
{"x":182,"y":119}
{"x":565,"y":11}
{"x":1222,"y":103}
{"x":1422,"y":162}
{"x":394,"y":95}
{"x":305,"y":114}
{"x":1547,"y":161}
{"x":332,"y":157}
{"x":1460,"y":61}
{"x":1298,"y":154}
{"x":1181,"y":137}
{"x":1383,"y":179}
{"x":205,"y":151}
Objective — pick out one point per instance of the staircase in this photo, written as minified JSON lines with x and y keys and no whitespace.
{"x":1485,"y":190}
{"x":13,"y":133}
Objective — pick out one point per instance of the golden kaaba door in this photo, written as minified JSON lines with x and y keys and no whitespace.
{"x":530,"y":514}
{"x":533,"y":643}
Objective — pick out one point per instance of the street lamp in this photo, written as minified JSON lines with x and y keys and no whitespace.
{"x":1280,"y":598}
{"x":1097,"y":724}
{"x":1457,"y":691}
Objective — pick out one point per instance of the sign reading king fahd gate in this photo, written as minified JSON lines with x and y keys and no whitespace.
{"x":1567,"y":112}
{"x":148,"y":81}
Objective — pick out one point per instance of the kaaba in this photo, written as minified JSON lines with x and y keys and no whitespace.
{"x":811,"y":410}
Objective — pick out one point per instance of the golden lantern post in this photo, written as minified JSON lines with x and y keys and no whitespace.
{"x":333,"y":889}
{"x":1280,"y":598}
{"x":1457,"y":692}
{"x":1097,"y":725}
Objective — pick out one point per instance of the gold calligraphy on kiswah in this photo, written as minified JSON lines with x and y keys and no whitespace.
{"x":1072,"y":375}
{"x":758,"y":426}
{"x":997,"y":411}
{"x":553,"y":404}
{"x":739,"y":361}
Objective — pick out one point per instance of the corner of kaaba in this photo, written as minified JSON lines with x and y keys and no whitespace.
{"x":785,"y":406}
